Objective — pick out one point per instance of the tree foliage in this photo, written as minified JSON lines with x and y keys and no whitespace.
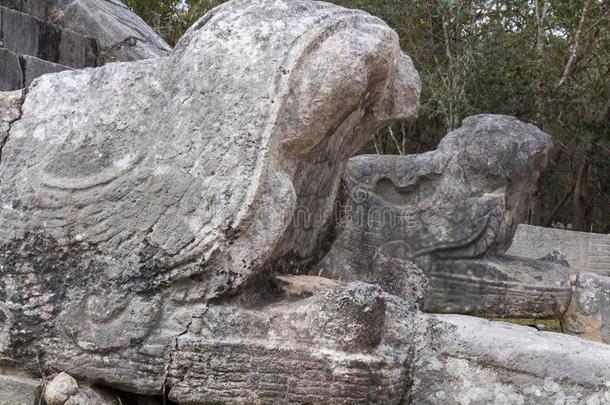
{"x":545,"y":61}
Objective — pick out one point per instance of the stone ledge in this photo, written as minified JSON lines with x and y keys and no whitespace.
{"x":34,"y":67}
{"x":19,"y":71}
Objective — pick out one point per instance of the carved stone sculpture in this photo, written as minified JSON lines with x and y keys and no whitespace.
{"x":133,"y":194}
{"x":152,"y":239}
{"x":453,"y":212}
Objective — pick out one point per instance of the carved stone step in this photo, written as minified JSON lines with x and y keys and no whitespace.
{"x":27,"y":35}
{"x":19,"y":71}
{"x":330,"y":348}
{"x":34,"y":67}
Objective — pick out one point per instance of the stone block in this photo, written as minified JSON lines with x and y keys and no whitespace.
{"x":466,"y":360}
{"x":330,"y":348}
{"x":27,"y":35}
{"x":11,"y":74}
{"x":34,"y":67}
{"x":17,"y":72}
{"x":36,"y":8}
{"x":20,"y":32}
{"x":122,"y":35}
{"x":584,"y":251}
{"x":589,"y":313}
{"x":77,"y":51}
{"x":499,"y":287}
{"x":189,"y":171}
{"x":19,"y":390}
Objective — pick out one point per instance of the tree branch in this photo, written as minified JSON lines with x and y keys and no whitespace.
{"x":542,"y":11}
{"x":574,"y":55}
{"x":400,"y":151}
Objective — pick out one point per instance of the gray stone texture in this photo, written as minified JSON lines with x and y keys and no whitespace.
{"x":20,"y":71}
{"x":27,"y":35}
{"x":339,"y":346}
{"x":10,"y":111}
{"x":16,"y":390}
{"x":35,"y":8}
{"x":464,"y":360}
{"x":453,"y":212}
{"x":146,"y":209}
{"x":589,"y":313}
{"x":122,"y":35}
{"x":11,"y":77}
{"x":585,"y":251}
{"x":135,"y":193}
{"x":40,"y":36}
{"x":33,"y":68}
{"x":60,"y":389}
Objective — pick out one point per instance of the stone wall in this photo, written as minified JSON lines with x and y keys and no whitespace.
{"x":32,"y":46}
{"x":48,"y":36}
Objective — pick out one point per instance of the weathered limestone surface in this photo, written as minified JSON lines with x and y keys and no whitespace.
{"x":140,"y":191}
{"x":585,"y":251}
{"x":499,"y":286}
{"x":15,"y":390}
{"x":10,"y":111}
{"x":146,"y":209}
{"x":60,"y":389}
{"x":345,"y":344}
{"x":453,"y":212}
{"x":122,"y":35}
{"x":589,"y":313}
{"x":464,"y":360}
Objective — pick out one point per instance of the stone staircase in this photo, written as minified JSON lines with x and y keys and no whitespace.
{"x":31,"y":45}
